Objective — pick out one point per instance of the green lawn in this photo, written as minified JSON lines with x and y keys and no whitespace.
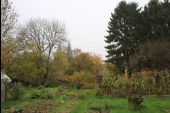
{"x":85,"y":101}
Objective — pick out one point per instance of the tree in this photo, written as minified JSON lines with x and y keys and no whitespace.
{"x":8,"y":20}
{"x":129,"y":28}
{"x":8,"y":24}
{"x":59,"y":65}
{"x":80,"y":79}
{"x":87,"y":62}
{"x":76,"y":51}
{"x":42,"y":36}
{"x":25,"y":68}
{"x":69,"y":53}
{"x":157,"y":20}
{"x":123,"y":33}
{"x":152,"y":55}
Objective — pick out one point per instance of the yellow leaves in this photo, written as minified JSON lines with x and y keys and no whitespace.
{"x":4,"y":55}
{"x":86,"y":61}
{"x":82,"y":77}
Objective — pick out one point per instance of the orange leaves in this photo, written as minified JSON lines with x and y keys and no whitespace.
{"x":4,"y":55}
{"x":87,"y":62}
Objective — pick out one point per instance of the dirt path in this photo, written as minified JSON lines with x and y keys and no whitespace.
{"x":167,"y":110}
{"x":68,"y":107}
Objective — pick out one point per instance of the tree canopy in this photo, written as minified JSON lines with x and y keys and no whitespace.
{"x":130,"y":27}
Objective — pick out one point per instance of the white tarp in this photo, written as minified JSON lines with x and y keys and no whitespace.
{"x":5,"y":77}
{"x":4,"y":80}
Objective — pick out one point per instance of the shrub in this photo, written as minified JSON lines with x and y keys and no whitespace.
{"x":99,"y":92}
{"x":72,"y":95}
{"x":35,"y":96}
{"x":41,"y":87}
{"x":100,"y":108}
{"x":82,"y":96}
{"x":151,"y":55}
{"x":43,"y":94}
{"x":135,"y":102}
{"x":88,"y":86}
{"x":18,"y":110}
{"x":80,"y":79}
{"x":16,"y":91}
{"x":135,"y":93}
{"x":60,"y":89}
{"x":97,"y":107}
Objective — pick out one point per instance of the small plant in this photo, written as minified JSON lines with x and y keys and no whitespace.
{"x":16,"y":91}
{"x":82,"y":96}
{"x":99,"y":92}
{"x":43,"y":94}
{"x":97,"y":107}
{"x":135,"y":102}
{"x":41,"y":87}
{"x":135,"y":98}
{"x":72,"y":95}
{"x":60,"y":89}
{"x":18,"y":109}
{"x":101,"y":108}
{"x":35,"y":96}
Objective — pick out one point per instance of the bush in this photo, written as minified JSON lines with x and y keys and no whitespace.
{"x":43,"y":94}
{"x":151,"y":55}
{"x":81,"y":79}
{"x":98,"y":108}
{"x":88,"y":86}
{"x":16,"y":91}
{"x":35,"y":96}
{"x":135,"y":102}
{"x":135,"y":93}
{"x":82,"y":96}
{"x":41,"y":87}
{"x":18,"y":110}
{"x":60,"y":89}
{"x":72,"y":95}
{"x":99,"y":92}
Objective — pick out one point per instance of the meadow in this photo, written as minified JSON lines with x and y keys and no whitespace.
{"x":70,"y":100}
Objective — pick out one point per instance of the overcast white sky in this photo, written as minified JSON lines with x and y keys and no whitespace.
{"x":86,"y":20}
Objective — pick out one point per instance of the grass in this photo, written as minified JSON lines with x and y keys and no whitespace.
{"x":118,"y":105}
{"x":87,"y":102}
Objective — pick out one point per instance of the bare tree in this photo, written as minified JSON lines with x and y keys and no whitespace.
{"x":8,"y":20}
{"x":42,"y":36}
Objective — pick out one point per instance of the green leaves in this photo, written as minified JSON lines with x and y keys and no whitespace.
{"x":129,"y":28}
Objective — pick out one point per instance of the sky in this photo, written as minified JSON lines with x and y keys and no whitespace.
{"x":86,"y":20}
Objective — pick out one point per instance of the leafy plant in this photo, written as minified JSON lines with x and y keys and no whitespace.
{"x":135,"y":102}
{"x":16,"y":91}
{"x":82,"y":96}
{"x":43,"y":94}
{"x":18,"y":110}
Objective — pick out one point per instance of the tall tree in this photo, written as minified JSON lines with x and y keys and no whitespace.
{"x":8,"y":25}
{"x":69,"y":52}
{"x":87,"y":62}
{"x":43,"y":36}
{"x":157,"y":20}
{"x":59,"y":66}
{"x":76,"y":51}
{"x":8,"y":20}
{"x":123,"y":33}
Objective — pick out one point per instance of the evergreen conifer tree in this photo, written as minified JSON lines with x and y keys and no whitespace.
{"x":123,"y":33}
{"x":69,"y":53}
